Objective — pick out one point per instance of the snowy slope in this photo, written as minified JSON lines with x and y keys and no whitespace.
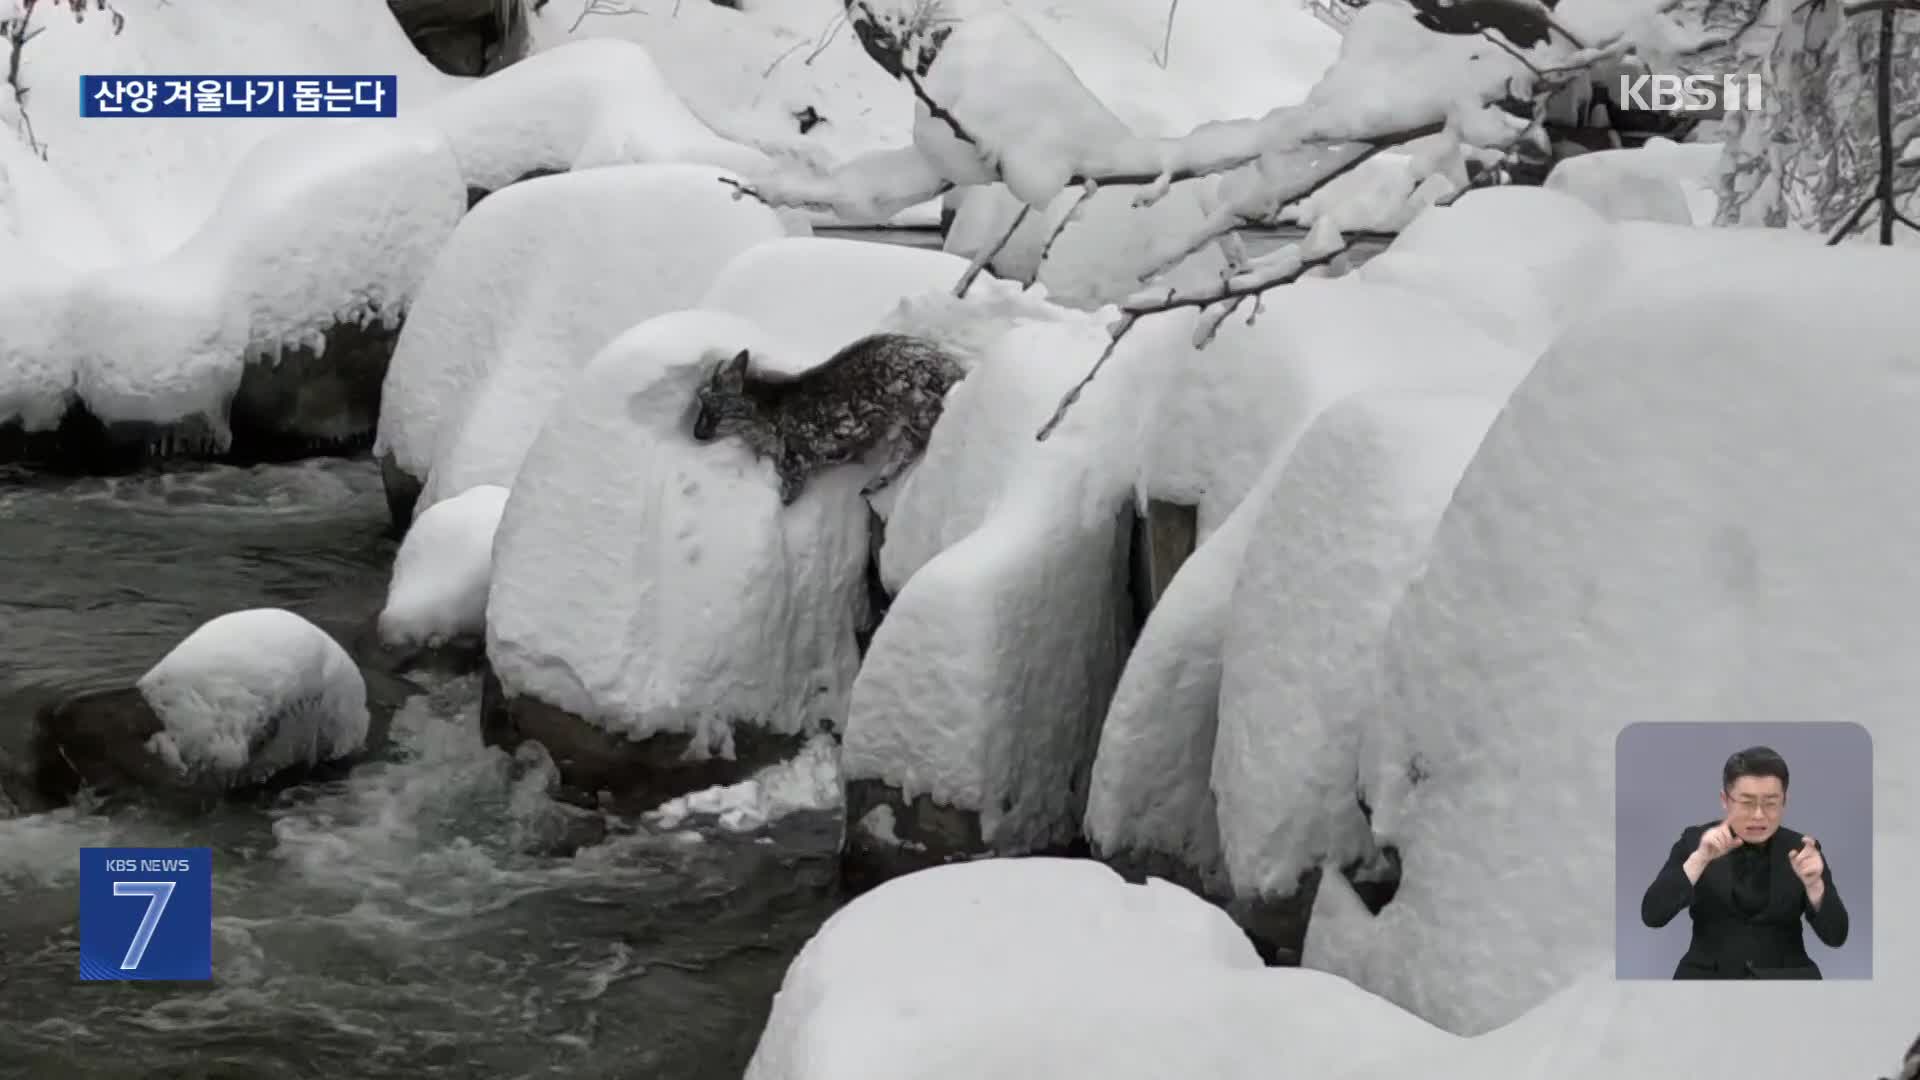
{"x":535,"y":280}
{"x":1056,"y":968}
{"x":1342,"y":531}
{"x":1678,"y":516}
{"x":649,"y":583}
{"x":254,"y":692}
{"x":1223,"y":434}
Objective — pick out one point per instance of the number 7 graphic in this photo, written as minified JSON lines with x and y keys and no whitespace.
{"x":157,"y":894}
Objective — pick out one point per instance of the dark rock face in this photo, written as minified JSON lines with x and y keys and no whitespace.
{"x":464,"y":37}
{"x":403,"y":492}
{"x":475,"y":194}
{"x":302,"y":404}
{"x":889,"y":836}
{"x":625,"y":775}
{"x":97,"y":741}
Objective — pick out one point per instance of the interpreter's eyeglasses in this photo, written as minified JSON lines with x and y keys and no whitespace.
{"x":1768,"y":807}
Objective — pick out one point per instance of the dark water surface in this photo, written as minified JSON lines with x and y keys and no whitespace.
{"x":408,"y":921}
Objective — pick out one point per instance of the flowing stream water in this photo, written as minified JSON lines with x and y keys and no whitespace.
{"x":404,"y":922}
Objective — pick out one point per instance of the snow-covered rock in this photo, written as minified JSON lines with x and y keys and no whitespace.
{"x":275,"y":319}
{"x":1662,"y":181}
{"x":586,"y":104}
{"x":1222,"y":433}
{"x":1050,"y":967}
{"x":1676,"y":515}
{"x":1507,"y":258}
{"x":1341,"y":533}
{"x":821,"y":293}
{"x":657,"y":618}
{"x":251,"y":697}
{"x":438,"y":594}
{"x":975,"y":711}
{"x":534,"y":281}
{"x":254,"y":692}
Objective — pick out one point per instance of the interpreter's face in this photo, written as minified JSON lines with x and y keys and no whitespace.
{"x":1754,"y":805}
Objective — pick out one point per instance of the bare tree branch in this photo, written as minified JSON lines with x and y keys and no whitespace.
{"x":1234,"y":288}
{"x":985,"y":255}
{"x":1087,"y":191}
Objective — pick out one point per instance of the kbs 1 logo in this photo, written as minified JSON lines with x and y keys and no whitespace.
{"x":1714,"y":94}
{"x":146,"y":913}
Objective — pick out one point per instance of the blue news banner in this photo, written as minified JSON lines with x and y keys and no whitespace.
{"x":340,"y":96}
{"x":146,"y":913}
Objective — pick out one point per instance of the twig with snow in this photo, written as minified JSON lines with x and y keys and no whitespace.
{"x":1289,"y":264}
{"x":17,"y":32}
{"x":986,"y":254}
{"x":1885,"y":194}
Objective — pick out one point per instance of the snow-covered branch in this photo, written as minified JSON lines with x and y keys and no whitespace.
{"x":1322,"y":248}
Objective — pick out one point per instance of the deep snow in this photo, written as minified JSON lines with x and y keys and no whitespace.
{"x":443,"y":570}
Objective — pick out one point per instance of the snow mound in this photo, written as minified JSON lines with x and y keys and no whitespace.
{"x":441,"y":575}
{"x":1641,"y":535}
{"x":962,"y":971}
{"x":822,"y":294}
{"x":1222,"y":437}
{"x":253,"y":692}
{"x":316,"y":229}
{"x":985,"y":684}
{"x":648,"y":583}
{"x":1507,"y":258}
{"x":810,"y":781}
{"x":1343,"y":530}
{"x":533,"y":282}
{"x":1662,"y":181}
{"x":586,"y":104}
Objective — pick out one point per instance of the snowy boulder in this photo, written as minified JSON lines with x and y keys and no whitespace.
{"x":1677,"y":515}
{"x":821,"y":293}
{"x":1057,"y":968}
{"x":267,"y":333}
{"x":437,"y":600}
{"x":657,"y":619}
{"x":532,"y":284}
{"x":583,"y":105}
{"x":975,"y":711}
{"x":1222,"y":432}
{"x":1342,"y":531}
{"x":1663,"y":181}
{"x":1508,"y":259}
{"x":251,"y":699}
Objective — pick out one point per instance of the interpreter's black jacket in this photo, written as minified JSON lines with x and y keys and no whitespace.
{"x":1746,"y":910}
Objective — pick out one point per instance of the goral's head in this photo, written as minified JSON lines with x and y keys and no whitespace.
{"x":723,"y":401}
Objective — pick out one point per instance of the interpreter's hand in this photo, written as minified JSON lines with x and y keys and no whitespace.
{"x":1807,"y":864}
{"x":1716,"y":842}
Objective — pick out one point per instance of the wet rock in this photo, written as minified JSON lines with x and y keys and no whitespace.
{"x":461,"y":656}
{"x":1278,"y":924}
{"x":403,"y":492}
{"x":464,"y":37}
{"x":475,"y":194}
{"x":889,"y":835}
{"x":626,"y":776}
{"x":97,"y":742}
